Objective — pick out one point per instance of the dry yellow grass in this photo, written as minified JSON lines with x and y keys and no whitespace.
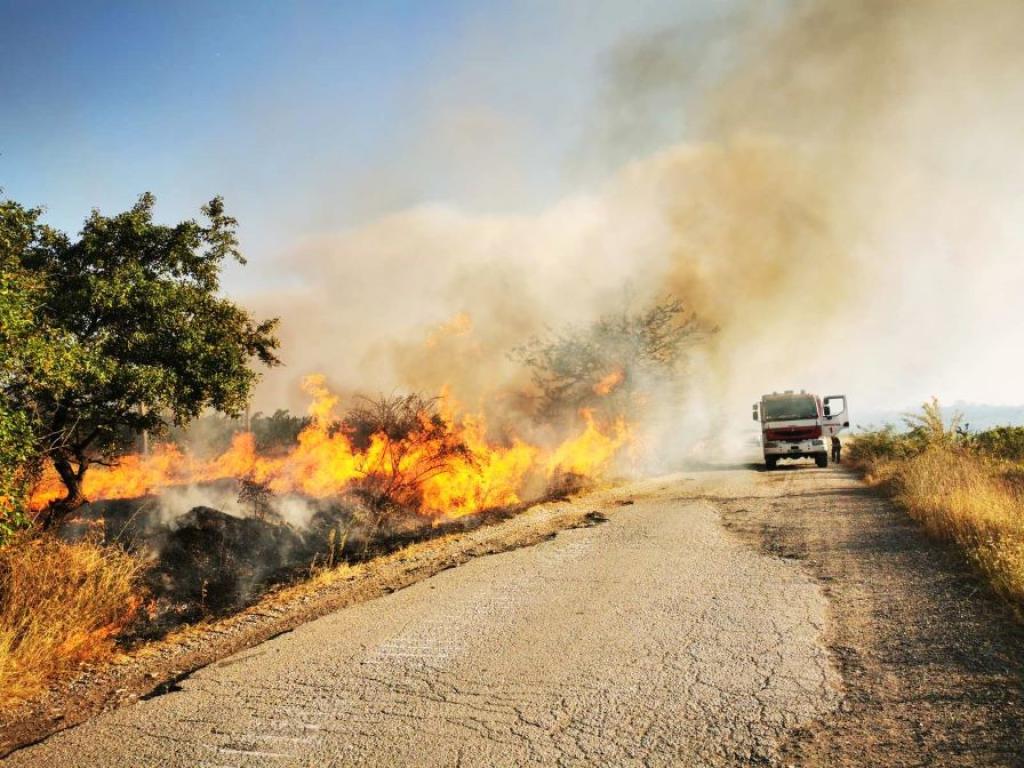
{"x":962,"y":497}
{"x":60,"y":604}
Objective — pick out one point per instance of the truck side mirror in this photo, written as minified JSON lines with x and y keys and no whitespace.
{"x":828,"y":411}
{"x":755,"y":415}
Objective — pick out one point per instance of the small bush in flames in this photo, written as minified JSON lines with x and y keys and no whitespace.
{"x":416,"y":444}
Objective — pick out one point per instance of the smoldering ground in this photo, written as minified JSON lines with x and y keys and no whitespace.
{"x":208,"y":554}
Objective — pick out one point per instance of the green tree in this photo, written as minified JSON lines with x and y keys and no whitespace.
{"x":139,"y":338}
{"x":18,"y":464}
{"x":278,"y":431}
{"x":23,"y":353}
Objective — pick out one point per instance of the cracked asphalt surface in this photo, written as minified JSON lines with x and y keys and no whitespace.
{"x":655,"y":638}
{"x":932,"y":662}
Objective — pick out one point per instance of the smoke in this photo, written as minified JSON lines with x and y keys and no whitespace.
{"x":904,"y":115}
{"x":842,"y":200}
{"x":175,"y":501}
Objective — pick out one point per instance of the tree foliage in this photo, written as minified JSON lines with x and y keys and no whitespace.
{"x":212,"y":433}
{"x":132,"y":331}
{"x":18,"y":465}
{"x":26,"y":353}
{"x":278,"y":431}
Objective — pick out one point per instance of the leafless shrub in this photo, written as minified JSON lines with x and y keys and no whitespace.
{"x":570,"y":367}
{"x":395,"y":416}
{"x":257,"y":494}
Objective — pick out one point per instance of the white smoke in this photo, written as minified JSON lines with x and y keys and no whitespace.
{"x":175,"y":501}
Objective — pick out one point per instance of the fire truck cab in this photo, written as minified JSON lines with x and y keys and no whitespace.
{"x":798,"y":425}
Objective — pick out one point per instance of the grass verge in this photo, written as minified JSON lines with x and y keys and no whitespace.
{"x":61,"y":604}
{"x":966,"y":489}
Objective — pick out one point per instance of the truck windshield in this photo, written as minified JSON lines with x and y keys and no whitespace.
{"x":786,"y":408}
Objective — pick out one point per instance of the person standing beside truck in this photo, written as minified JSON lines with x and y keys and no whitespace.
{"x":837,"y":448}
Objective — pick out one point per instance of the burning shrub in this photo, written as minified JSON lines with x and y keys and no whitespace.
{"x":60,"y":604}
{"x":390,"y":457}
{"x":601,"y":366}
{"x":408,"y":442}
{"x":397,"y":417}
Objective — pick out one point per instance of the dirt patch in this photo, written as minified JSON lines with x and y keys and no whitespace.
{"x":154,"y":668}
{"x":932,"y":662}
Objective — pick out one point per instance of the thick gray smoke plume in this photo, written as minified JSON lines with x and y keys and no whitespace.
{"x":844,"y":202}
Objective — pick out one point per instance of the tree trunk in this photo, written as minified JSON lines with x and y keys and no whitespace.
{"x":59,"y":510}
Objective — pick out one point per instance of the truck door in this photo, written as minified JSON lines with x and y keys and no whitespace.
{"x":837,"y":418}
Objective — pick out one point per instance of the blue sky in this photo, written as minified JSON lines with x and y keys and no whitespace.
{"x":105,"y":100}
{"x":307,"y":116}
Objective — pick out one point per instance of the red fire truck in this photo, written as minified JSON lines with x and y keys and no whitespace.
{"x":799,"y":425}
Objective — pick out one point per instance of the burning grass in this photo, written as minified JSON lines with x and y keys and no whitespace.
{"x":61,"y":604}
{"x":408,"y":452}
{"x":959,"y":487}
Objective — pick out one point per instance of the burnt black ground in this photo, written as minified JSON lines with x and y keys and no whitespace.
{"x":205,"y":563}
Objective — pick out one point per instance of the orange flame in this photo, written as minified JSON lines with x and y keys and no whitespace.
{"x":324,"y":463}
{"x":590,"y":453}
{"x":459,"y":325}
{"x":609,"y":382}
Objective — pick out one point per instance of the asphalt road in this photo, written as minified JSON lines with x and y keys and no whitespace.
{"x":656,"y":638}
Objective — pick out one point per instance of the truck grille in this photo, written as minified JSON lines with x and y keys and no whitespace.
{"x":793,"y":434}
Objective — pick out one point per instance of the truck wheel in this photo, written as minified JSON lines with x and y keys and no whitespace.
{"x":821,"y":459}
{"x":769,"y":462}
